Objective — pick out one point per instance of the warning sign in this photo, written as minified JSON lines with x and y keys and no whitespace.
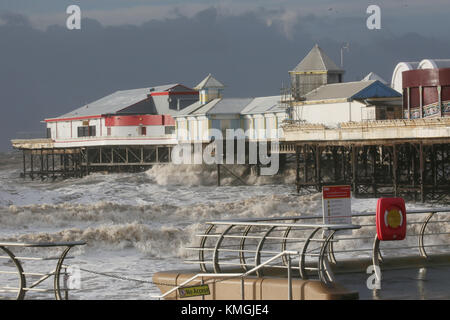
{"x":336,"y":204}
{"x":186,"y":292}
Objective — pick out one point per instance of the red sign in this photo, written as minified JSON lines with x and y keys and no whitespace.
{"x":336,"y":192}
{"x":391,"y":219}
{"x":336,"y":205}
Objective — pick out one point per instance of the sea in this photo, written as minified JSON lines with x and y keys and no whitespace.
{"x":136,"y":224}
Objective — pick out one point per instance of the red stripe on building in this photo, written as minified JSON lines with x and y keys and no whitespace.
{"x":168,"y":120}
{"x":137,"y":120}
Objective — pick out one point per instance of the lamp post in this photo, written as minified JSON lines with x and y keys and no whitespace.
{"x":345,"y":46}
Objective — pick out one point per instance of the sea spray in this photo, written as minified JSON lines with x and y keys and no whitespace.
{"x":206,"y":175}
{"x":103,"y":211}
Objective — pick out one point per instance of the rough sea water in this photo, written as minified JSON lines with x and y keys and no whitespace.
{"x":136,"y":224}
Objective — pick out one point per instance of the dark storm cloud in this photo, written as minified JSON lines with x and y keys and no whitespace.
{"x":47,"y":73}
{"x":14,"y":19}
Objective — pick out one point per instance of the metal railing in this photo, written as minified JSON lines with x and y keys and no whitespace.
{"x":14,"y":266}
{"x":323,"y":269}
{"x":237,"y":275}
{"x":242,"y":243}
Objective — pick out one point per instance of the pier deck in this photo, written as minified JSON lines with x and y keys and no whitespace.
{"x":42,"y":159}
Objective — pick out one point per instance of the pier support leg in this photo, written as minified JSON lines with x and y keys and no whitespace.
{"x":218,"y":175}
{"x":394,"y":169}
{"x":47,"y":170}
{"x":305,"y":164}
{"x":413,"y":169}
{"x":318,"y":173}
{"x":421,"y":165}
{"x":87,"y":161}
{"x":297,"y":166}
{"x":354,"y":170}
{"x":31,"y":166}
{"x":64,"y":163}
{"x":53,"y":164}
{"x":24,"y":164}
{"x":42,"y":164}
{"x":374,"y":171}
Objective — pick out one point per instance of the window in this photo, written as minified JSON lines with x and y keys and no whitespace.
{"x":81,"y":132}
{"x":49,"y":133}
{"x":108,"y":131}
{"x":169,"y":129}
{"x":86,"y":131}
{"x":143,"y":131}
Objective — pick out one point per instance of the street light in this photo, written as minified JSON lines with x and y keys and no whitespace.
{"x":345,"y":46}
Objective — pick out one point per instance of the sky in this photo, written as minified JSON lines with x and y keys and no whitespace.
{"x":250,"y":45}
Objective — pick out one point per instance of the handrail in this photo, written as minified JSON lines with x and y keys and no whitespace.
{"x":231,"y":275}
{"x":257,"y":236}
{"x":305,"y":225}
{"x":323,"y":268}
{"x":56,"y":273}
{"x":353,"y":214}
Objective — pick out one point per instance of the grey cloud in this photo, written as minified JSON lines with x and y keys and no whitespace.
{"x":45,"y":73}
{"x":14,"y":19}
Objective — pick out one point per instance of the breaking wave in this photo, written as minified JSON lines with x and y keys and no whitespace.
{"x":160,"y":230}
{"x":259,"y":206}
{"x":164,"y":241}
{"x":206,"y":175}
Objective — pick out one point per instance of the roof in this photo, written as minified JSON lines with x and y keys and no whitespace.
{"x":352,"y":90}
{"x":205,"y":108}
{"x":115,"y":102}
{"x":434,"y":64}
{"x":209,"y":82}
{"x":264,"y":105}
{"x":374,"y":76}
{"x":397,"y":80}
{"x":316,"y":60}
{"x":189,"y":109}
{"x":216,"y":106}
{"x":230,"y":106}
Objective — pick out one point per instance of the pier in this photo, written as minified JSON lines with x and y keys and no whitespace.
{"x":41,"y":159}
{"x":377,"y":158}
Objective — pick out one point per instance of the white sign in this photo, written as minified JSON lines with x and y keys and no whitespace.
{"x":336,"y":205}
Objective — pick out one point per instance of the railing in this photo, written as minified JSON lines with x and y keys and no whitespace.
{"x":238,"y":275}
{"x":242,"y":243}
{"x":282,"y":148}
{"x":13,"y":266}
